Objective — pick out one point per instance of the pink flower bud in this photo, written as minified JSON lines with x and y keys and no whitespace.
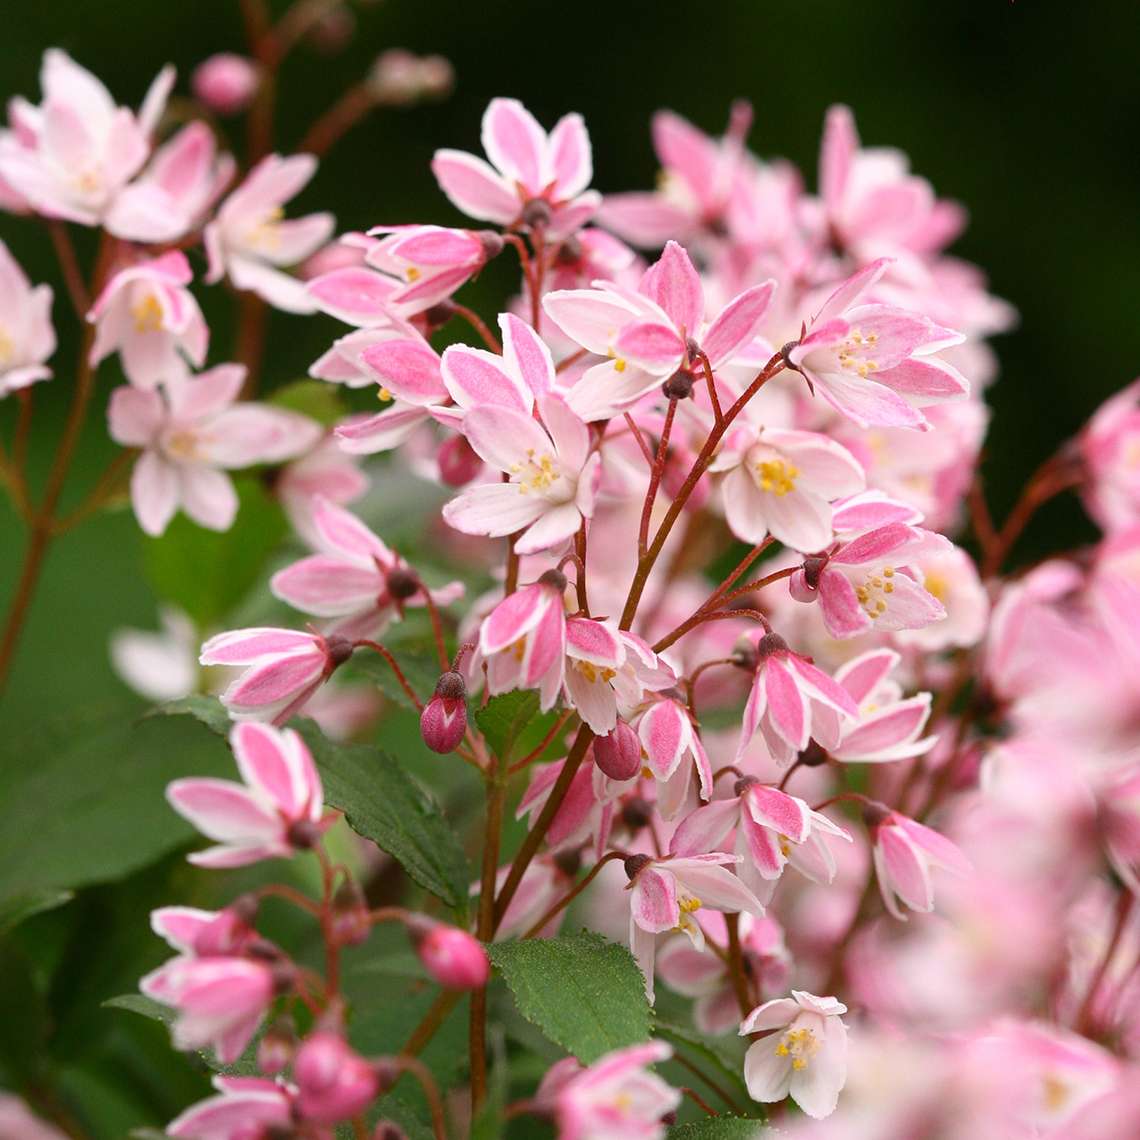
{"x":333,"y":1082}
{"x":399,"y":78}
{"x":350,"y":922}
{"x":225,"y":82}
{"x":453,"y":957}
{"x":458,"y":463}
{"x":444,"y":719}
{"x":618,"y":753}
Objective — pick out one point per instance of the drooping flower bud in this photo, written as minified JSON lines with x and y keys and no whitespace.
{"x":350,"y":923}
{"x":334,"y":1083}
{"x":444,"y":719}
{"x":225,"y":82}
{"x":618,"y":753}
{"x":458,"y":463}
{"x":453,"y":957}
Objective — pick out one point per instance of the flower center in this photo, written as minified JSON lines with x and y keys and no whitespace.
{"x":854,"y":354}
{"x":777,"y":476}
{"x":264,"y":235}
{"x":147,"y":314}
{"x":799,"y":1044}
{"x":535,"y":474}
{"x":937,"y":585}
{"x":412,"y":274}
{"x":181,"y":445}
{"x":594,"y":673}
{"x":872,"y":594}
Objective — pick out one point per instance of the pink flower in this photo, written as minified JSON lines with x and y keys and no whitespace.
{"x":523,"y":640}
{"x":948,"y":575}
{"x":18,"y":1121}
{"x":905,"y":852}
{"x":325,"y":473}
{"x":27,"y":337}
{"x":649,"y":333}
{"x":355,"y":578}
{"x":278,"y":811}
{"x":666,"y":893}
{"x":220,"y":1000}
{"x":782,"y":483}
{"x":773,"y":829}
{"x":807,"y":1061}
{"x":889,"y":727}
{"x":1110,"y":447}
{"x":147,"y":314}
{"x":871,"y":582}
{"x":333,"y":1081}
{"x":787,"y":693}
{"x":1120,"y":822}
{"x":533,"y":178}
{"x":873,"y":362}
{"x":282,"y":669}
{"x":170,"y":198}
{"x":189,"y":434}
{"x":703,"y":975}
{"x":161,"y":666}
{"x":225,"y":82}
{"x":553,"y":476}
{"x":701,"y":184}
{"x":874,"y":205}
{"x":74,"y":154}
{"x":249,"y":242}
{"x":198,"y":933}
{"x":245,"y":1107}
{"x":615,"y":1098}
{"x":673,"y":753}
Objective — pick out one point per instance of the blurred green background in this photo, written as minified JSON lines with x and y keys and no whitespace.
{"x":1026,"y":112}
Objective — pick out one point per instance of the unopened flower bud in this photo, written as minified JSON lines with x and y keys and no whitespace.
{"x":350,"y":922}
{"x":444,"y":719}
{"x":225,"y":82}
{"x":399,"y":78}
{"x":276,"y":1048}
{"x":618,"y":753}
{"x":334,"y":1083}
{"x":458,"y":461}
{"x":679,"y":386}
{"x":453,"y":957}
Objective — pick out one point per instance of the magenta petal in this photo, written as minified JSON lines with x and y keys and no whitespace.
{"x":786,"y":709}
{"x":654,"y":903}
{"x":674,"y":283}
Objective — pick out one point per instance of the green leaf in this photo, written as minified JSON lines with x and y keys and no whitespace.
{"x":207,"y":572}
{"x":504,"y":717}
{"x":16,"y":908}
{"x":585,"y":993}
{"x":142,"y":1005}
{"x":85,"y":802}
{"x":379,"y":799}
{"x":313,"y":398}
{"x":718,"y":1128}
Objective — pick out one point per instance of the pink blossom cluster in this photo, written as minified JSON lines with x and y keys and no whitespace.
{"x":858,"y":779}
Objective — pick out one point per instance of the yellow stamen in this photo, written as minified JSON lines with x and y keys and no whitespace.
{"x":538,"y":474}
{"x":777,"y":476}
{"x":147,"y":314}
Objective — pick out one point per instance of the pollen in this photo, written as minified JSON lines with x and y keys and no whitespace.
{"x":594,"y":673}
{"x":264,"y":235}
{"x":777,"y":476}
{"x":412,"y":273}
{"x":874,"y":591}
{"x":518,"y":649}
{"x":147,"y":314}
{"x":619,"y":365}
{"x":690,"y":904}
{"x":536,"y":474}
{"x":855,"y":353}
{"x":384,"y":395}
{"x":799,"y":1044}
{"x":938,"y":586}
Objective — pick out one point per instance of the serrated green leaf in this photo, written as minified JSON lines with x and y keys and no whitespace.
{"x":16,"y":908}
{"x":206,"y":572}
{"x":84,"y":804}
{"x":313,"y":398}
{"x":718,"y":1128}
{"x":585,"y":993}
{"x":503,"y":718}
{"x":380,"y":801}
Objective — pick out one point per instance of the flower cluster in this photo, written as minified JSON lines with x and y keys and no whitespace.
{"x":756,"y":774}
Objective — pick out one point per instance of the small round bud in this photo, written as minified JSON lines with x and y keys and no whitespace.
{"x":400,"y":78}
{"x":333,"y":1082}
{"x":554,"y":579}
{"x":458,"y":461}
{"x":636,"y":813}
{"x":225,"y":82}
{"x":679,"y":386}
{"x":743,"y":784}
{"x":537,"y":214}
{"x":443,"y":722}
{"x":453,"y":957}
{"x":769,"y":645}
{"x":350,"y":923}
{"x":276,"y":1048}
{"x":813,"y":567}
{"x":634,"y":865}
{"x":403,"y":583}
{"x":618,"y":753}
{"x":814,"y":755}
